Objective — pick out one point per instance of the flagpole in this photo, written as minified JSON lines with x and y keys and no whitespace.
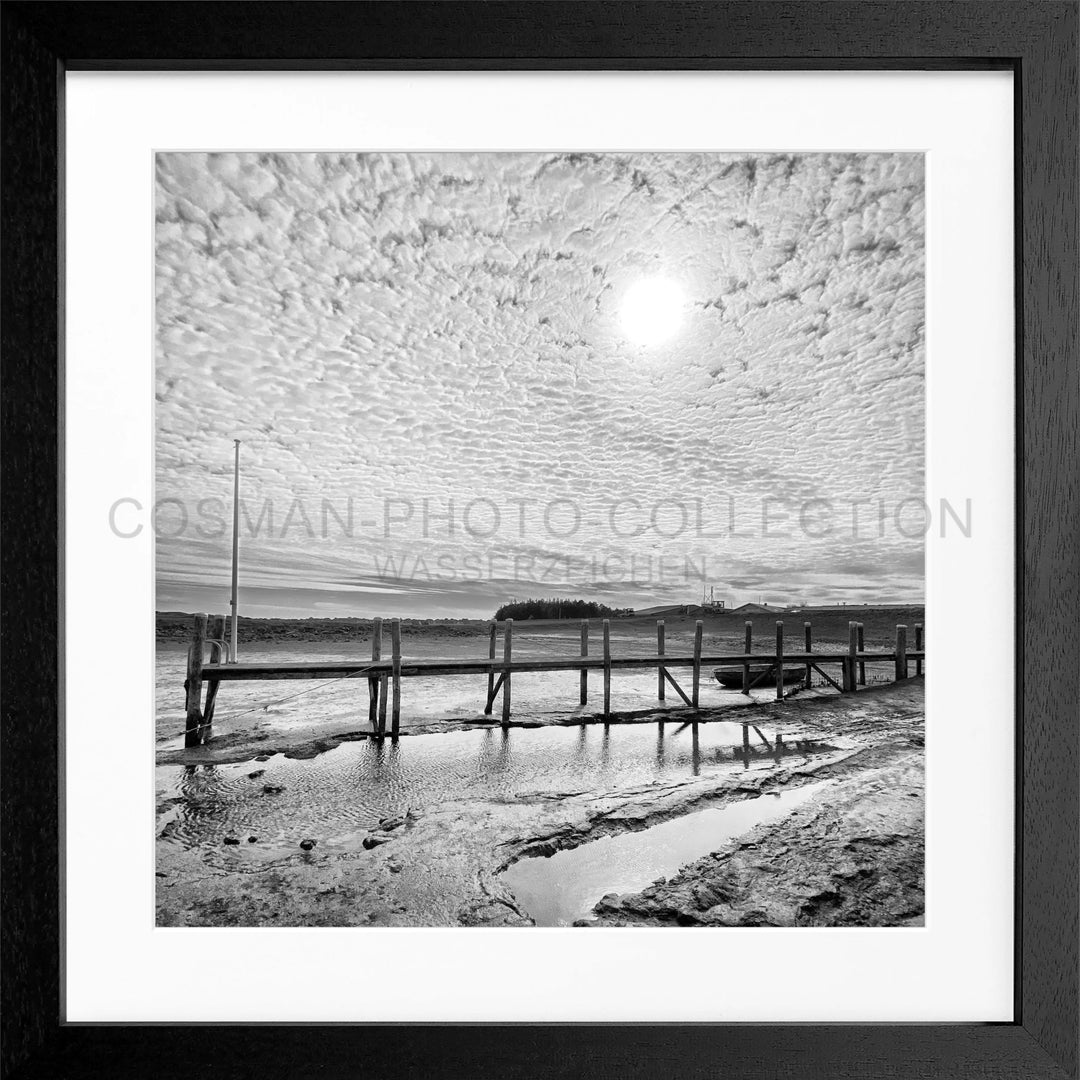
{"x":235,"y":544}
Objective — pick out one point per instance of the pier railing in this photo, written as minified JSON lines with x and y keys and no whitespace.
{"x":384,"y":674}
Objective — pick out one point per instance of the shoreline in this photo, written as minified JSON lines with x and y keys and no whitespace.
{"x":308,"y":741}
{"x":175,"y":626}
{"x":443,"y":866}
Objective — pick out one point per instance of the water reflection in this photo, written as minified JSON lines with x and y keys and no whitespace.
{"x":350,"y":788}
{"x":777,"y":750}
{"x":563,"y":887}
{"x":204,"y":789}
{"x":494,"y":758}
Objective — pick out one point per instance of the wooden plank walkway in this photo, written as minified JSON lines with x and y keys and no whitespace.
{"x":384,"y":674}
{"x":337,"y":669}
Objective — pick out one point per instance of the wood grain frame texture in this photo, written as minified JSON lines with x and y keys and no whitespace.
{"x":1036,"y":40}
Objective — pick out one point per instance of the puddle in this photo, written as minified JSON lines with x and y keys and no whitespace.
{"x":333,"y":797}
{"x":565,"y":886}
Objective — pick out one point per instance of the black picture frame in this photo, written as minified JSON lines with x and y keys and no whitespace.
{"x":1036,"y":40}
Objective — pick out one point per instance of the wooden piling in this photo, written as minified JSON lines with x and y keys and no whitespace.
{"x":862,"y":663}
{"x":373,"y":684}
{"x":807,"y":637}
{"x":583,"y":695}
{"x":660,"y":652}
{"x":492,"y":632}
{"x":193,"y":684}
{"x":849,"y":661}
{"x":216,"y":635}
{"x":384,"y":693}
{"x":901,"y":652}
{"x":508,"y":650}
{"x":694,"y":693}
{"x":779,"y":660}
{"x":607,"y":668}
{"x":918,"y":647}
{"x":748,"y":648}
{"x":395,"y":659}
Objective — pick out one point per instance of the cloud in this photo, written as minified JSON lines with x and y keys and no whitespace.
{"x":446,"y":327}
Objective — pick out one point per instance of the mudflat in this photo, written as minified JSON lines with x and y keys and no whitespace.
{"x":852,"y":854}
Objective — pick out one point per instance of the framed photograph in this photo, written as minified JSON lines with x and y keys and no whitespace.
{"x":540,"y":539}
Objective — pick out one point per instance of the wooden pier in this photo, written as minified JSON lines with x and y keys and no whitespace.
{"x":384,"y":674}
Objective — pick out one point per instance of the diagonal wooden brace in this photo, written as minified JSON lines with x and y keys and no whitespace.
{"x":493,"y":693}
{"x":676,"y":687}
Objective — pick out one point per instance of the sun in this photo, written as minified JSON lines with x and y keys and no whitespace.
{"x":652,"y":310}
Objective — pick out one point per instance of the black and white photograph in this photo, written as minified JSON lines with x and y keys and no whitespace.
{"x":539,"y":539}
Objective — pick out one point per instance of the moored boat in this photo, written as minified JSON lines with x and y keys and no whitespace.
{"x":760,"y":675}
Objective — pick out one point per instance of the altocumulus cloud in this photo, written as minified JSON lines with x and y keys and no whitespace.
{"x":447,"y":327}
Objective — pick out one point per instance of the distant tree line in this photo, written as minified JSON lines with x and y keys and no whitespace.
{"x":559,"y":609}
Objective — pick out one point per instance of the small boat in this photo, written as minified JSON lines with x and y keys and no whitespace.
{"x":760,"y":675}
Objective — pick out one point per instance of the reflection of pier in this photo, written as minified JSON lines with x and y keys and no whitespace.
{"x":384,"y":675}
{"x":776,"y":750}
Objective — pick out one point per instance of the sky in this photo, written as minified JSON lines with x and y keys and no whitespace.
{"x":460,"y":379}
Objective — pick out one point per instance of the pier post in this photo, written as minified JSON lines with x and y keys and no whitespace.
{"x":918,"y":647}
{"x":862,"y":663}
{"x":584,"y":679}
{"x":395,"y":671}
{"x":395,"y":657}
{"x":607,"y":668}
{"x":779,"y":660}
{"x":373,"y":683}
{"x":698,"y":626}
{"x":193,"y":684}
{"x":492,"y":632}
{"x":901,"y":652}
{"x":748,"y":648}
{"x":849,"y":662}
{"x":807,"y":641}
{"x":660,"y":652}
{"x":216,"y":634}
{"x":383,"y":691}
{"x":508,"y":648}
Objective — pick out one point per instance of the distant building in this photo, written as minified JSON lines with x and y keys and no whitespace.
{"x":754,"y":609}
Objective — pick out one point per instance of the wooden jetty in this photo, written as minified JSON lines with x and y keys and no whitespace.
{"x":384,"y":674}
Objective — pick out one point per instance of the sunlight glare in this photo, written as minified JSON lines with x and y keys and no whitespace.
{"x":652,"y":310}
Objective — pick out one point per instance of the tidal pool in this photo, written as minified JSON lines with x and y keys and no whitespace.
{"x":336,"y":795}
{"x":563,"y":887}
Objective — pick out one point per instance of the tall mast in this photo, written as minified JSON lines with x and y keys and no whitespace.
{"x":235,"y":544}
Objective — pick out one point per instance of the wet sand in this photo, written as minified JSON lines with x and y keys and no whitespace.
{"x":441,"y":864}
{"x":853,"y":856}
